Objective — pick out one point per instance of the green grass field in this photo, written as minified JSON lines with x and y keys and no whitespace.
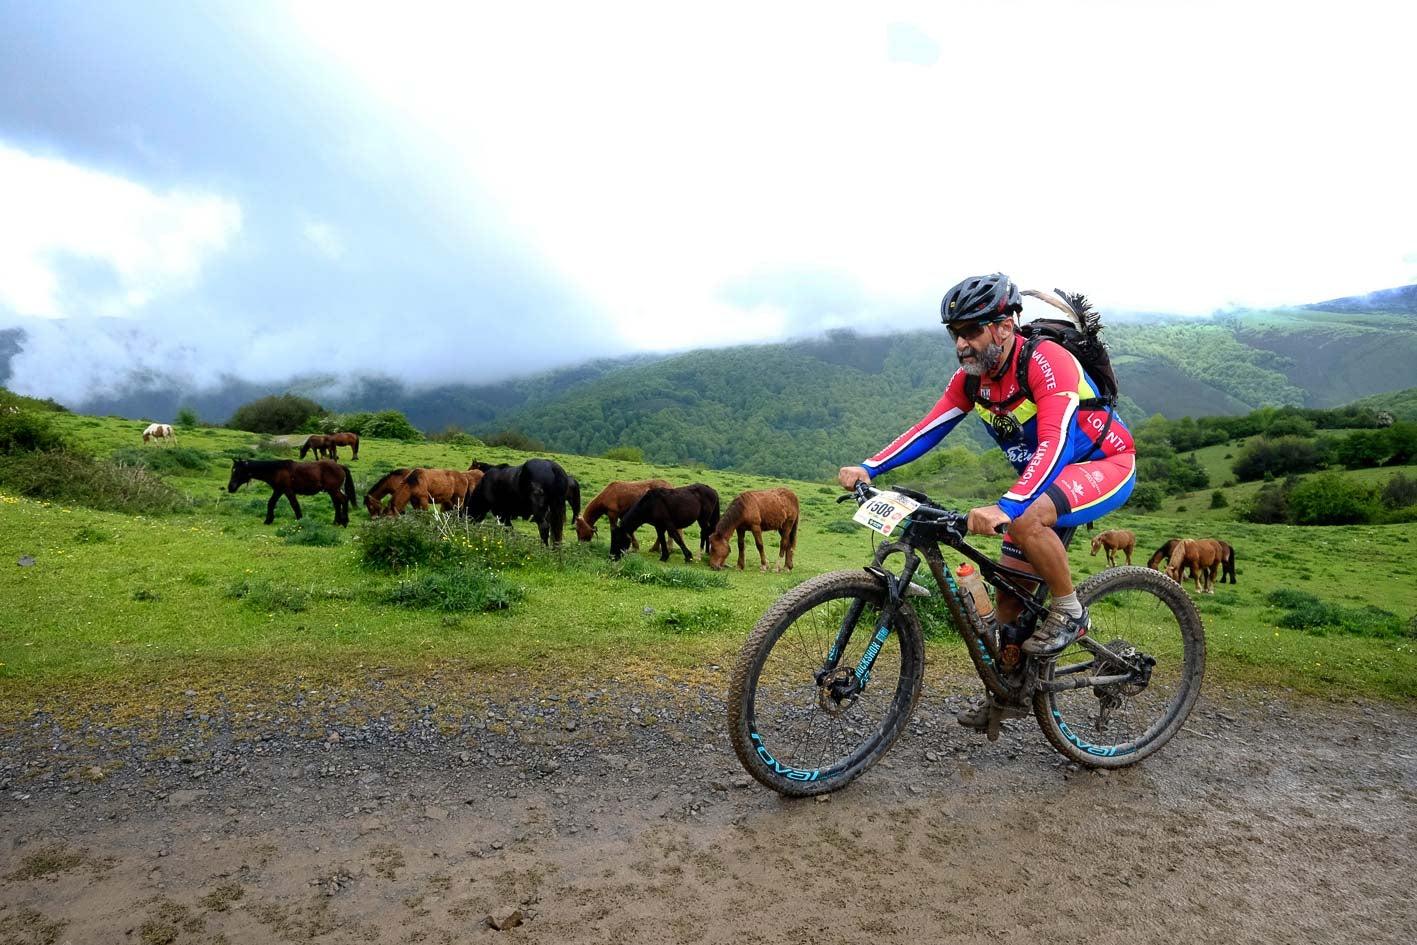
{"x":116,"y":610}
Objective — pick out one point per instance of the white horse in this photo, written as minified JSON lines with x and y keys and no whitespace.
{"x":161,"y":432}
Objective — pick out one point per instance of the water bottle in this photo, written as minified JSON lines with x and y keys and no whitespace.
{"x":971,"y":582}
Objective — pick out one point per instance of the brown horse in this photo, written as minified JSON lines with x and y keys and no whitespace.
{"x":1202,"y":556}
{"x":344,"y":438}
{"x":288,"y":478}
{"x":320,"y":444}
{"x":614,"y":501}
{"x":388,"y":485}
{"x":757,"y":509}
{"x":1115,"y":540}
{"x":1162,"y":554}
{"x":447,"y":487}
{"x":669,"y":510}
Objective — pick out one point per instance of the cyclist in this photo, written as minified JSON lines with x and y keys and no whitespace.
{"x":1076,"y":464}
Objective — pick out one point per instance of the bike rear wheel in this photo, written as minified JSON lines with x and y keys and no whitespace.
{"x":1136,"y":612}
{"x":789,"y":730}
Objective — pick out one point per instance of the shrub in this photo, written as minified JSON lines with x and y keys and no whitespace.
{"x":627,"y":454}
{"x":1332,"y":499}
{"x":1146,"y":497}
{"x":641,"y":571}
{"x":277,"y":414}
{"x":1218,"y":500}
{"x":397,"y":542}
{"x":170,"y":460}
{"x":1399,"y":491}
{"x":27,"y":431}
{"x":187,"y":418}
{"x":386,"y":424}
{"x":1276,"y":457}
{"x":62,"y":476}
{"x":515,"y":440}
{"x":455,"y":436}
{"x":1268,"y":507}
{"x":462,"y":589}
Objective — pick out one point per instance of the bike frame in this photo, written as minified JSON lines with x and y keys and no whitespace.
{"x":922,"y":539}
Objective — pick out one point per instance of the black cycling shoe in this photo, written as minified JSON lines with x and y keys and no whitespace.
{"x":1056,"y":633}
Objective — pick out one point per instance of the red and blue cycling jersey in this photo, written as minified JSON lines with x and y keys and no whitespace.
{"x":1051,"y":440}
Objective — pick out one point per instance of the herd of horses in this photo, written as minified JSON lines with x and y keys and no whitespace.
{"x":1204,"y":558}
{"x":540,"y":491}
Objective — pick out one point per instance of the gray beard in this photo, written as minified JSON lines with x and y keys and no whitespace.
{"x":985,"y":362}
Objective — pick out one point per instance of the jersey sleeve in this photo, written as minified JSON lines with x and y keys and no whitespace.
{"x":952,"y":406}
{"x":1058,"y":384}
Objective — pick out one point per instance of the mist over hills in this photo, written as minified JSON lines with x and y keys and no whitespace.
{"x":800,"y":408}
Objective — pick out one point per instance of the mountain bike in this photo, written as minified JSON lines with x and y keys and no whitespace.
{"x":831,"y":674}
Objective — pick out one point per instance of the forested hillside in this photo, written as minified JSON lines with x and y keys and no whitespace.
{"x":803,"y":407}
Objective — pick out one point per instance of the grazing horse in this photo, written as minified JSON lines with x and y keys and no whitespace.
{"x":343,"y":438}
{"x":320,"y":444}
{"x":669,"y":510}
{"x":1202,"y":556}
{"x":771,"y":509}
{"x":447,"y":487}
{"x":1115,"y":540}
{"x":614,"y":501}
{"x":388,"y":485}
{"x":536,"y":490}
{"x":162,"y":432}
{"x":1162,"y":554}
{"x":289,"y":478}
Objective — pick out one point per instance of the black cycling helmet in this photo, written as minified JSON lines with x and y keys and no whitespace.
{"x":981,"y":298}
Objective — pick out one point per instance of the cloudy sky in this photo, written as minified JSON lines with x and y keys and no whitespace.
{"x":462,"y":192}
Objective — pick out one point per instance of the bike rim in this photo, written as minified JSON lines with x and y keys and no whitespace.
{"x":1120,"y":720}
{"x":798,"y":734}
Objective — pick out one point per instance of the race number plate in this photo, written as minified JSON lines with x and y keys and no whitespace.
{"x":885,"y":512}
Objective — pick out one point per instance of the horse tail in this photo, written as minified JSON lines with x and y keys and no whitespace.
{"x":348,"y":483}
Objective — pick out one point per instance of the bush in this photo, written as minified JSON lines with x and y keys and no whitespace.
{"x":187,"y":418}
{"x":173,"y":460}
{"x":26,"y":431}
{"x":455,"y":436}
{"x":464,"y":588}
{"x":515,"y":440}
{"x":1146,"y":497}
{"x":706,"y":619}
{"x":641,"y":571}
{"x":1273,"y":458}
{"x":1332,"y":499}
{"x":1306,"y":612}
{"x":1218,"y":500}
{"x":386,"y":424}
{"x":65,"y":477}
{"x":396,"y":543}
{"x":1399,"y":491}
{"x":284,"y":413}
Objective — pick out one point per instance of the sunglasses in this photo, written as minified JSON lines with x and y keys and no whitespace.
{"x":970,"y":330}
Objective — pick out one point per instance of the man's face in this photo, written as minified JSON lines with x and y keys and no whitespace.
{"x":976,"y":347}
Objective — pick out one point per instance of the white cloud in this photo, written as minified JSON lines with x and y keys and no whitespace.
{"x":142,"y":244}
{"x":1180,"y":158}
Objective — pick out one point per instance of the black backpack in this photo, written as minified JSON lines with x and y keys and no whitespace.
{"x":1086,"y":344}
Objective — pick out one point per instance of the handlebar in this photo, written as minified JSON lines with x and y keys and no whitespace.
{"x":955,"y":523}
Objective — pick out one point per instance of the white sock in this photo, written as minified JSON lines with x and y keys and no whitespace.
{"x":1068,"y":604}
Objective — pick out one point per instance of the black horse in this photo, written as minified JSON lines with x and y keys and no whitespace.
{"x":537,"y":489}
{"x":669,"y":510}
{"x":289,"y":478}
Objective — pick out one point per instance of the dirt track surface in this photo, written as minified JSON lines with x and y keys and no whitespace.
{"x":621,"y":815}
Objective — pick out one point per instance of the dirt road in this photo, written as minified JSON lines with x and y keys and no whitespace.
{"x":621,"y":815}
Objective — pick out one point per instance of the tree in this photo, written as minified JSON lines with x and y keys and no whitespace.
{"x":1332,"y":499}
{"x":187,"y":418}
{"x":274,"y":415}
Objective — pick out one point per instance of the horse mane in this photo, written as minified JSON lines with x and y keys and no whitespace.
{"x":266,"y":463}
{"x":414,"y":476}
{"x":730,"y":518}
{"x":386,"y":481}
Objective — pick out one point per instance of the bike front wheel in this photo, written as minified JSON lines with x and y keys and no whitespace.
{"x":1145,"y":619}
{"x":801,"y":723}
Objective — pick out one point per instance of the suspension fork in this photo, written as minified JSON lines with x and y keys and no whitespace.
{"x":895,"y":586}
